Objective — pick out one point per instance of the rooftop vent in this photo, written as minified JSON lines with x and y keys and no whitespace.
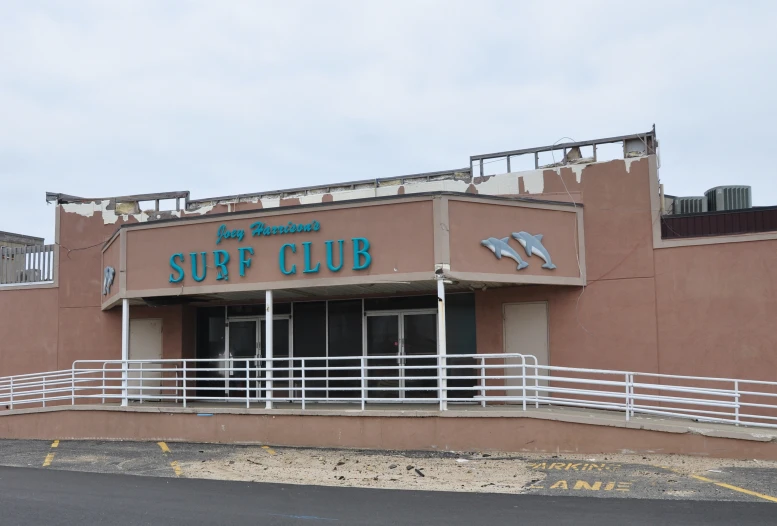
{"x":728,"y":198}
{"x":689,"y":205}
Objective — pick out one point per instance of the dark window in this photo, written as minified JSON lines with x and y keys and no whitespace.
{"x":460,"y":324}
{"x":461,"y":338}
{"x":345,"y":339}
{"x":258,"y":309}
{"x":210,"y":346}
{"x":409,"y":302}
{"x":310,"y":342}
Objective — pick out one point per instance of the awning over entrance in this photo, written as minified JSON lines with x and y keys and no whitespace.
{"x":361,"y":247}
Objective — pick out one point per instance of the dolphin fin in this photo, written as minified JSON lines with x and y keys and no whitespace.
{"x":549,"y":266}
{"x":538,"y":237}
{"x":522,"y":265}
{"x":505,"y":239}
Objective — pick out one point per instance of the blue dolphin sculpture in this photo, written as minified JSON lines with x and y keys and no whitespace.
{"x":108,"y":274}
{"x":500,"y":248}
{"x":533,"y":245}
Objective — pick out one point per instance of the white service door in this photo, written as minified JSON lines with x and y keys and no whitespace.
{"x":525,"y":332}
{"x":145,"y":344}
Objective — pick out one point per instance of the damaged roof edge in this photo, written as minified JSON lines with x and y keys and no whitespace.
{"x":52,"y":197}
{"x":415,"y":197}
{"x":463,"y":174}
{"x":560,"y":146}
{"x":325,"y":188}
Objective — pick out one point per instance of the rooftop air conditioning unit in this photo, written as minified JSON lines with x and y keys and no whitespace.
{"x":728,"y":198}
{"x":689,"y":205}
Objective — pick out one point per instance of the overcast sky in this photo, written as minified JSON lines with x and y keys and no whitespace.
{"x":121,"y":97}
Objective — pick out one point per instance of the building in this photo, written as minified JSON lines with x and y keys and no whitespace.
{"x":428,"y":288}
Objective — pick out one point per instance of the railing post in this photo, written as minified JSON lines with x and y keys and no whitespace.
{"x":248,"y":386}
{"x":11,"y":392}
{"x":523,"y":379}
{"x":268,"y":348}
{"x":736,"y":401}
{"x":184,"y":383}
{"x":303,"y":384}
{"x":72,"y":386}
{"x":125,"y":328}
{"x":483,"y":381}
{"x":364,"y":383}
{"x":442,"y":345}
{"x":140,"y":382}
{"x":628,"y":399}
{"x":44,"y":391}
{"x":259,"y":372}
{"x":536,"y":384}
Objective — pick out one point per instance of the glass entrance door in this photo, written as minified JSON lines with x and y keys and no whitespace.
{"x":246,"y":348}
{"x":383,"y":344}
{"x":401,"y":348}
{"x":243,"y":351}
{"x":418,"y":343}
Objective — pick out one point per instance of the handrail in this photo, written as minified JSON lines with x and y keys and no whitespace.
{"x":24,"y":265}
{"x":509,"y":379}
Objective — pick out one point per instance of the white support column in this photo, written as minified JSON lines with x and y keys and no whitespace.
{"x":124,"y":348}
{"x":268,"y":325}
{"x":442,"y":346}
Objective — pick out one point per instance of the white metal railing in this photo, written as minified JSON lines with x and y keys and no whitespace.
{"x":28,"y":264}
{"x":508,"y":380}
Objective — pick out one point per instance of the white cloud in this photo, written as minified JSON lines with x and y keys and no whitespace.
{"x":108,"y":98}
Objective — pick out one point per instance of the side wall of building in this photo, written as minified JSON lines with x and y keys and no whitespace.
{"x":29,"y":326}
{"x":717,"y":306}
{"x":46,"y":329}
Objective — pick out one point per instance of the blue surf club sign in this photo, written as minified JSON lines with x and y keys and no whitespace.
{"x":286,"y":256}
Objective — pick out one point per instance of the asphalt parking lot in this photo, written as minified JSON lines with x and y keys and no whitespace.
{"x":607,"y":476}
{"x":72,"y":498}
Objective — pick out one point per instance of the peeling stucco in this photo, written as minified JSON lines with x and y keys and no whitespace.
{"x":202,"y":210}
{"x":577,"y":169}
{"x":111,"y":214}
{"x":311,"y":199}
{"x":534,"y":181}
{"x":513,"y":183}
{"x":628,"y":160}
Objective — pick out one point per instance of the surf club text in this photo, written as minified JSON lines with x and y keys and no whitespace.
{"x":289,"y":260}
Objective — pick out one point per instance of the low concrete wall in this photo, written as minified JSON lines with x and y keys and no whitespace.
{"x":442,"y":433}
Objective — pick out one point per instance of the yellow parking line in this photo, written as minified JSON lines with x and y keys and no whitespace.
{"x":727,"y":486}
{"x":735,"y":488}
{"x":50,"y":457}
{"x":174,"y":464}
{"x":269,"y":449}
